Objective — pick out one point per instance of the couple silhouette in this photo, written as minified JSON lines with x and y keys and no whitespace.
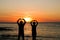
{"x":21,"y":23}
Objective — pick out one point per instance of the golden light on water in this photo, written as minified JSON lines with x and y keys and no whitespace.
{"x":28,"y":19}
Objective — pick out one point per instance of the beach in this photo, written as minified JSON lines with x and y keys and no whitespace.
{"x":45,"y":31}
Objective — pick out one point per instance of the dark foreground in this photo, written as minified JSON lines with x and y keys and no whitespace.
{"x":14,"y":37}
{"x":45,"y":31}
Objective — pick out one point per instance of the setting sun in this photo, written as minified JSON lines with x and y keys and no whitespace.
{"x":28,"y":19}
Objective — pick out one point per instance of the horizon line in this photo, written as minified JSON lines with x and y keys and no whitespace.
{"x":28,"y":22}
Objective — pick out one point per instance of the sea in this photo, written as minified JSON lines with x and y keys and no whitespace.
{"x":44,"y":30}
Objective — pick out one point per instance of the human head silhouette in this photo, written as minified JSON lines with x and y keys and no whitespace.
{"x":21,"y":21}
{"x":34,"y":23}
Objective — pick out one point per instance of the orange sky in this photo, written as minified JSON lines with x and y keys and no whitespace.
{"x":40,"y":10}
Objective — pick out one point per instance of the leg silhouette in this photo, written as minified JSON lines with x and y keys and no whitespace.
{"x":23,"y":35}
{"x":18,"y":36}
{"x":33,"y":33}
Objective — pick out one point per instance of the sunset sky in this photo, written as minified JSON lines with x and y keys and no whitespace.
{"x":41,"y":10}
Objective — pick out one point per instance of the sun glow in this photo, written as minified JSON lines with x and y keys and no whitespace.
{"x":28,"y":19}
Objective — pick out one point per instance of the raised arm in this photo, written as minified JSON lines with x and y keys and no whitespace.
{"x":36,"y":23}
{"x":31,"y":23}
{"x":18,"y":20}
{"x":24,"y":21}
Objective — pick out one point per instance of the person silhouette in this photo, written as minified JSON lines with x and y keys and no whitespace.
{"x":21,"y":23}
{"x":34,"y":24}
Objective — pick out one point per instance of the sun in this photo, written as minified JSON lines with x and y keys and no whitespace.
{"x":28,"y":19}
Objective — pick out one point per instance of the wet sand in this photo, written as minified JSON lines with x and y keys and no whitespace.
{"x":14,"y":37}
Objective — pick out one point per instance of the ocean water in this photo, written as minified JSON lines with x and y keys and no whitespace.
{"x":45,"y":31}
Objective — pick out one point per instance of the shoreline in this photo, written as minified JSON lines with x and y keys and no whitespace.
{"x":27,"y":36}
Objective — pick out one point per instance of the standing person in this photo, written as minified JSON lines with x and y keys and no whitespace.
{"x":21,"y":23}
{"x":34,"y":24}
